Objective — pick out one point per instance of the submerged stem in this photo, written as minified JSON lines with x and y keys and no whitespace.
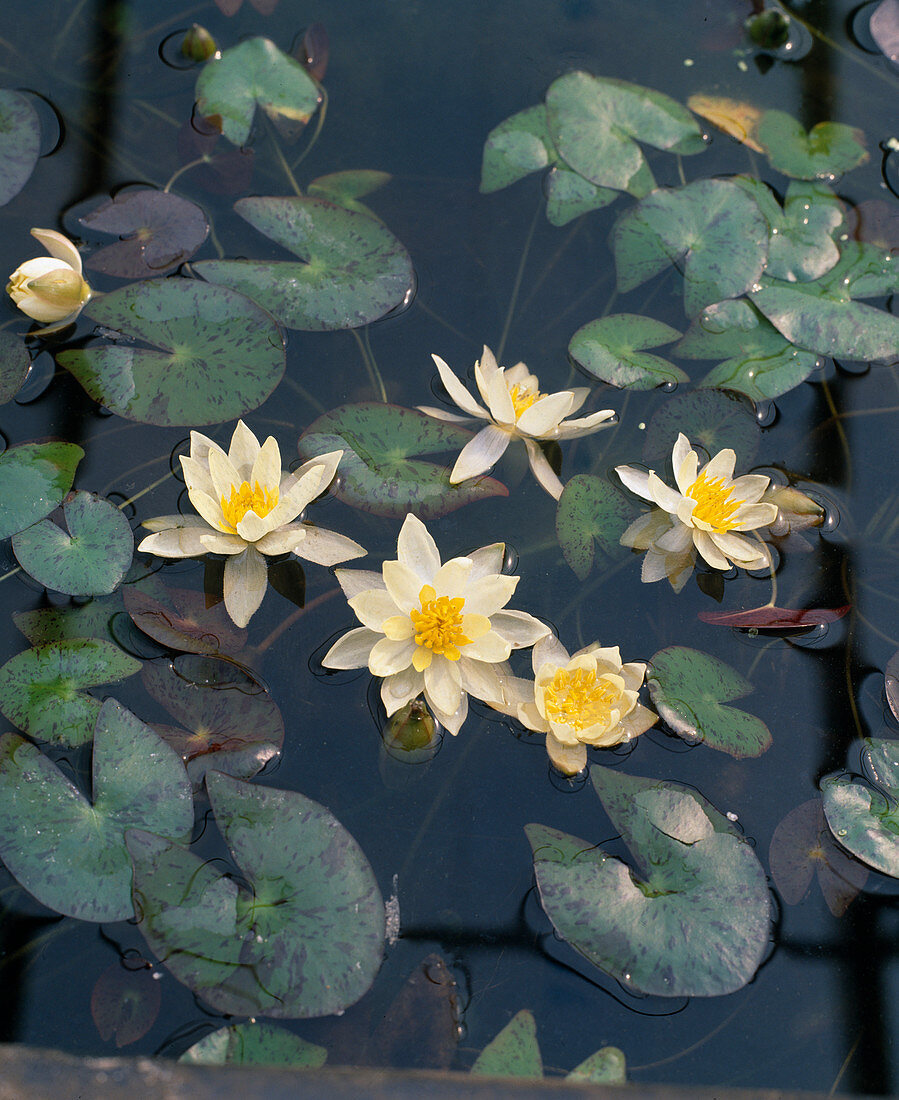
{"x":371,"y":366}
{"x":516,"y":288}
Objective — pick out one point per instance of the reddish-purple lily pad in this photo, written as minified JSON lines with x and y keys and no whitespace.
{"x":181,"y":620}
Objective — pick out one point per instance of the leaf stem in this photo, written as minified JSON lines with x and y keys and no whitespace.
{"x":320,"y":121}
{"x":186,"y":168}
{"x":371,"y":366}
{"x":516,"y":288}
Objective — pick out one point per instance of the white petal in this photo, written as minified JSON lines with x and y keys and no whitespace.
{"x":176,"y":542}
{"x":451,"y":580}
{"x":218,"y":543}
{"x":486,"y":561}
{"x":655,"y":567}
{"x":662,"y":494}
{"x":518,"y":628}
{"x":569,"y":759}
{"x":443,"y":684}
{"x":529,"y":716}
{"x":753,"y":516}
{"x":354,"y":581}
{"x":246,"y":578}
{"x":196,"y":475}
{"x":750,"y":488}
{"x":416,"y":549}
{"x":330,"y":460}
{"x":452,"y":722}
{"x":442,"y":414}
{"x":574,"y":429}
{"x":684,"y":476}
{"x":635,"y":480}
{"x":458,"y":393}
{"x":542,"y":471}
{"x":163,"y":523}
{"x":740,"y":549}
{"x":492,"y":647}
{"x":388,"y":656}
{"x":298,"y":491}
{"x":543,"y":417}
{"x":520,"y":375}
{"x":638,"y":721}
{"x":352,"y":650}
{"x":494,"y":389}
{"x":703,"y":543}
{"x":283,"y":540}
{"x":487,"y":595}
{"x":549,"y":650}
{"x":480,"y":453}
{"x":59,"y":246}
{"x":243,"y":450}
{"x":480,"y":680}
{"x":253,"y":527}
{"x":722,"y":465}
{"x":403,"y":584}
{"x":580,"y":395}
{"x":401,"y":688}
{"x":646,"y":529}
{"x":201,"y":445}
{"x":266,"y":468}
{"x":327,"y":547}
{"x":676,"y":540}
{"x":225,"y":475}
{"x":210,"y":509}
{"x":373,"y":607}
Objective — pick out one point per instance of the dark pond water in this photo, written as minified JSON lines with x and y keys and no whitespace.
{"x":413,"y":90}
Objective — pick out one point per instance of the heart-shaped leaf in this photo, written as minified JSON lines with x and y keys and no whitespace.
{"x":40,"y":689}
{"x":865,"y":818}
{"x":20,"y":141}
{"x":377,"y":472}
{"x":70,"y":853}
{"x":304,"y":938}
{"x":346,"y":188}
{"x":689,"y":688}
{"x":690,"y":920}
{"x":516,"y":147}
{"x":159,"y":231}
{"x":90,"y":560}
{"x":828,"y":150}
{"x":254,"y":1045}
{"x":569,"y":195}
{"x":15,"y":362}
{"x":606,"y":1067}
{"x":708,"y":418}
{"x":179,"y":619}
{"x":125,"y":1002}
{"x":514,"y":1052}
{"x":216,"y":355}
{"x":590,"y":513}
{"x":35,"y":478}
{"x":611,"y":349}
{"x":254,"y":73}
{"x":420,"y":1029}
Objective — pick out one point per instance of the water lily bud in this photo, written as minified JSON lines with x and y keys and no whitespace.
{"x":410,"y":730}
{"x":795,"y":510}
{"x":50,"y":288}
{"x":769,"y":29}
{"x":198,"y":44}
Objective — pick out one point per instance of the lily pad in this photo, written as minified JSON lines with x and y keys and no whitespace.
{"x":377,"y":472}
{"x":69,"y":852}
{"x":216,"y":356}
{"x":712,"y":229}
{"x":828,"y":150}
{"x":303,"y":938}
{"x":352,"y":270}
{"x":770,"y":617}
{"x":891,"y":684}
{"x":40,"y":689}
{"x":35,"y":477}
{"x":91,"y":559}
{"x":254,"y":1045}
{"x":15,"y":362}
{"x":690,"y":920}
{"x":159,"y":231}
{"x":709,"y":419}
{"x":516,"y":147}
{"x":420,"y":1029}
{"x":569,"y":195}
{"x":689,"y":688}
{"x":606,"y":1067}
{"x":346,"y":188}
{"x":865,"y":818}
{"x":20,"y":141}
{"x":125,"y":1002}
{"x":255,"y":73}
{"x":590,"y":514}
{"x":179,"y":619}
{"x":611,"y":349}
{"x":514,"y":1052}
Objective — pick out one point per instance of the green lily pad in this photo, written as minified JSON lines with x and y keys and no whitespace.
{"x":590,"y":514}
{"x":514,"y":1052}
{"x":20,"y":141}
{"x":569,"y":195}
{"x":689,"y":688}
{"x":70,"y":852}
{"x":254,"y":1045}
{"x":216,"y":356}
{"x":40,"y":689}
{"x":865,"y":818}
{"x":690,"y":920}
{"x":828,"y":150}
{"x":352,"y":270}
{"x":35,"y":477}
{"x":377,"y":472}
{"x":606,"y":1067}
{"x":712,"y":229}
{"x":255,"y":73}
{"x":865,"y":271}
{"x":611,"y":349}
{"x":595,"y":123}
{"x":91,"y":559}
{"x":303,"y":938}
{"x":15,"y":362}
{"x":346,"y":188}
{"x":516,"y":147}
{"x":709,"y":419}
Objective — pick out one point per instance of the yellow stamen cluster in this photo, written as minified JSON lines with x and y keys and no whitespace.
{"x":245,"y":498}
{"x":439,"y":623}
{"x":523,"y":398}
{"x":714,"y":505}
{"x":574,"y":698}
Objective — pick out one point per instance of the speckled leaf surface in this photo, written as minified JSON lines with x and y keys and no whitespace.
{"x":70,"y":853}
{"x":179,"y":619}
{"x":306,"y":936}
{"x":15,"y":362}
{"x":514,"y":1052}
{"x":611,"y":349}
{"x":377,"y":472}
{"x":35,"y":478}
{"x":689,"y":689}
{"x":347,"y":187}
{"x":606,"y":1067}
{"x":864,"y":817}
{"x":691,"y":920}
{"x":828,"y":150}
{"x":254,"y":1044}
{"x":216,"y":356}
{"x":709,"y":419}
{"x":40,"y":688}
{"x":90,"y":559}
{"x":569,"y":195}
{"x":353,"y":269}
{"x":20,"y":140}
{"x":516,"y":147}
{"x":591,"y":515}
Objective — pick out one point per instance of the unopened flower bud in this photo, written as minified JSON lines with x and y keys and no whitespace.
{"x":198,"y":44}
{"x":50,"y":289}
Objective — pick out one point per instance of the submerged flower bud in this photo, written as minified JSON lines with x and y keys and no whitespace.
{"x":198,"y":44}
{"x":50,"y":288}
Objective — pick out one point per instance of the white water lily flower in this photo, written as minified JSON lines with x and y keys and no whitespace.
{"x":50,"y":288}
{"x":708,"y":512}
{"x":248,"y":507}
{"x":432,"y":629}
{"x":516,"y":409}
{"x":587,"y":699}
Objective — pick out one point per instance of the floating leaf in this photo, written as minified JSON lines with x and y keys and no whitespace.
{"x":516,"y":147}
{"x":159,"y":231}
{"x":825,"y":152}
{"x":775,"y":618}
{"x":35,"y":477}
{"x":316,"y":50}
{"x":40,"y":689}
{"x":125,"y":1002}
{"x":611,"y":349}
{"x":737,"y":119}
{"x":20,"y":140}
{"x":254,"y":73}
{"x":891,"y":684}
{"x":219,"y":355}
{"x":254,"y":1045}
{"x":353,"y":269}
{"x":712,"y":228}
{"x":606,"y":1067}
{"x":865,"y":819}
{"x":709,"y":419}
{"x":91,"y":559}
{"x":569,"y":195}
{"x":345,"y":188}
{"x":179,"y":619}
{"x":15,"y":362}
{"x":420,"y":1030}
{"x":590,"y":512}
{"x":377,"y":472}
{"x":70,"y":853}
{"x":514,"y":1052}
{"x":884,"y":26}
{"x":304,"y":938}
{"x":595,"y":125}
{"x":690,"y":920}
{"x":688,"y":689}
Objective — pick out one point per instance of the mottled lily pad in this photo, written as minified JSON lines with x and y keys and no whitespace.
{"x":216,"y":355}
{"x":606,"y":1067}
{"x":20,"y":141}
{"x":346,"y":188}
{"x":611,"y":349}
{"x":15,"y":362}
{"x":70,"y":852}
{"x":179,"y":619}
{"x":828,"y":150}
{"x":40,"y":689}
{"x":591,"y":514}
{"x":569,"y":195}
{"x":352,"y":270}
{"x":514,"y":1052}
{"x":91,"y":559}
{"x":35,"y":478}
{"x":254,"y":1045}
{"x":303,"y":938}
{"x":516,"y":147}
{"x":377,"y":472}
{"x":691,"y":918}
{"x":689,"y":690}
{"x":709,"y":419}
{"x":864,"y":817}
